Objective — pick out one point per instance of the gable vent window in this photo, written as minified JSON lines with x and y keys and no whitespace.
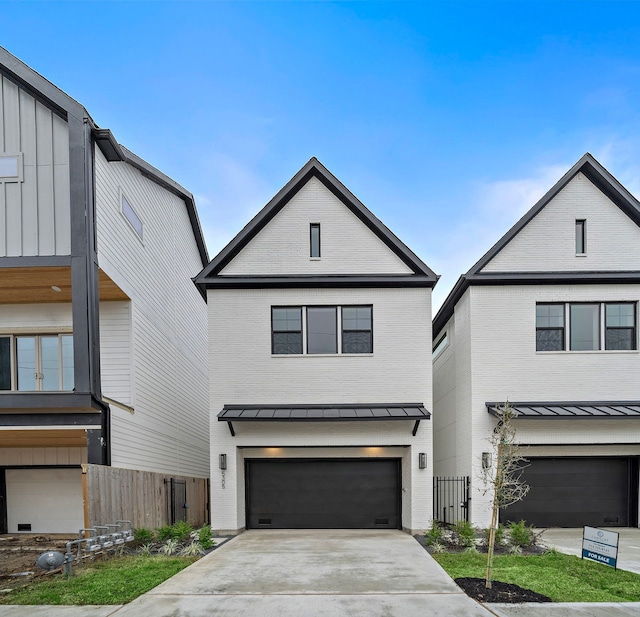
{"x":581,"y":237}
{"x":315,"y":240}
{"x":10,"y":168}
{"x":131,"y":216}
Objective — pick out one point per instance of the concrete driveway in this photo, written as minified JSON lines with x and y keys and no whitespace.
{"x":310,"y":572}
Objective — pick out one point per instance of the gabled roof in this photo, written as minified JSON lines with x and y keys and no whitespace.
{"x":64,"y":106}
{"x":606,"y":183}
{"x":210,"y":277}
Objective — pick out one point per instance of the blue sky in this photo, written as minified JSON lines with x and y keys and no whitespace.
{"x":447,"y":119}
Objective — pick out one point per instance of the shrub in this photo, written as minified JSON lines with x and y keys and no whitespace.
{"x":170,"y":547}
{"x":204,"y":537}
{"x":438,"y":547}
{"x":520,"y":534}
{"x":499,"y":535}
{"x":143,"y":535}
{"x":434,"y":534}
{"x":193,"y":549}
{"x":164,"y":533}
{"x":181,"y":530}
{"x":464,"y":533}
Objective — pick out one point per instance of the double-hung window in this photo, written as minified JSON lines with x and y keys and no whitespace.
{"x":316,"y":330}
{"x":40,"y":363}
{"x":586,"y":326}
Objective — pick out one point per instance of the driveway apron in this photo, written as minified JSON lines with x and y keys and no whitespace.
{"x":310,"y":572}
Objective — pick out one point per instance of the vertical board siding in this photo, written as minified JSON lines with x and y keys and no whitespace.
{"x":168,"y":432}
{"x":34,"y":213}
{"x":141,"y":497}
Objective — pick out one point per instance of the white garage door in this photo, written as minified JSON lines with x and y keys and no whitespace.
{"x":49,"y":500}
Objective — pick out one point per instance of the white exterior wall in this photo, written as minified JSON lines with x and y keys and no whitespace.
{"x":507,"y":366}
{"x":347,"y":246}
{"x":34,"y":213}
{"x":547,"y":243}
{"x":168,"y":384}
{"x":243,"y":371}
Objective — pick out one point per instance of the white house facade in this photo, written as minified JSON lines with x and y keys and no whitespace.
{"x":102,"y":356}
{"x":319,"y":326}
{"x":548,"y":320}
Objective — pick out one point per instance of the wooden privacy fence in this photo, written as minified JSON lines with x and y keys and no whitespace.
{"x":145,"y":498}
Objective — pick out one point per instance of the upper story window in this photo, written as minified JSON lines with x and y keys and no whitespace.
{"x":439,"y":347}
{"x":39,"y":363}
{"x":314,"y":240}
{"x":130,"y":214}
{"x":591,"y":326}
{"x":318,"y":330}
{"x":581,"y":237}
{"x":10,"y":167}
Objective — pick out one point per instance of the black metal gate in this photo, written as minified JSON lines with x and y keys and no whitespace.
{"x":451,"y":499}
{"x":178,"y":500}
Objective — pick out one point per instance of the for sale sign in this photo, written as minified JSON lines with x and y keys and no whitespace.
{"x":600,"y":545}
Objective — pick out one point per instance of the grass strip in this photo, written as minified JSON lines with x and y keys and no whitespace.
{"x":564,"y":578}
{"x":114,"y":581}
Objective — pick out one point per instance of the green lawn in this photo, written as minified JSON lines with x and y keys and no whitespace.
{"x":113,"y":581}
{"x":564,"y":578}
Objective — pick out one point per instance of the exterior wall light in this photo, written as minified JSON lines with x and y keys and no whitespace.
{"x":486,"y":460}
{"x":422,"y":460}
{"x":223,"y":461}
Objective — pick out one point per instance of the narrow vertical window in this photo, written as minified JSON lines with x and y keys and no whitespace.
{"x":315,"y":239}
{"x":131,"y":216}
{"x":5,"y":363}
{"x":549,"y":327}
{"x":581,"y":237}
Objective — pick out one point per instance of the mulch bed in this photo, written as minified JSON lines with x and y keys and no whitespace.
{"x":499,"y":592}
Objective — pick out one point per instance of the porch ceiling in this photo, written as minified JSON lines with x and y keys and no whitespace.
{"x":42,"y":438}
{"x":34,"y":285}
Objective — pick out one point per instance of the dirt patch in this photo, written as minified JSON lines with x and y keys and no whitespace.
{"x":499,"y":592}
{"x":18,"y":554}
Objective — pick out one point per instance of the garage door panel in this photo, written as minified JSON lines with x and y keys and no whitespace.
{"x":330,"y":494}
{"x":572,"y":492}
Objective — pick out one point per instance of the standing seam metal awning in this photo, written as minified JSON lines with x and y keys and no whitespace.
{"x":575,"y":409}
{"x":323,"y":413}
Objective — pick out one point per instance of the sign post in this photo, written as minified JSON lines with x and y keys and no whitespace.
{"x":600,"y":545}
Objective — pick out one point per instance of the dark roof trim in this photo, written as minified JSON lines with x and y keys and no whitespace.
{"x":527,"y":278}
{"x":335,"y":280}
{"x":603,"y":180}
{"x":567,"y":410}
{"x":50,"y":419}
{"x":108,"y":144}
{"x":172,"y":186}
{"x":313,"y":168}
{"x":323,"y":413}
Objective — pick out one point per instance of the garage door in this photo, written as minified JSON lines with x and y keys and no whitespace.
{"x":323,"y":494}
{"x":572,"y":492}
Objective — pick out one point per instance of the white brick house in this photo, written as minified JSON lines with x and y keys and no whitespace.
{"x":320,"y":331}
{"x":548,"y":319}
{"x":102,"y":351}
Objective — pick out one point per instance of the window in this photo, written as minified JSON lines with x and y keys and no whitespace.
{"x":591,"y":326}
{"x":327,"y":330}
{"x":286,"y":324}
{"x":357,"y":332}
{"x":620,"y":325}
{"x":10,"y":168}
{"x":581,"y":237}
{"x":315,"y":240}
{"x":36,"y":363}
{"x":438,"y":348}
{"x":131,"y":216}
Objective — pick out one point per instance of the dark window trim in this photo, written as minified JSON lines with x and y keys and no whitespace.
{"x":600,"y":332}
{"x":581,"y":236}
{"x":564,"y":325}
{"x":342,"y":328}
{"x":312,"y":227}
{"x":273,"y":345}
{"x":634,"y":327}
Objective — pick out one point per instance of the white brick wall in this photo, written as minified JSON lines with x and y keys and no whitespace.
{"x":548,"y":241}
{"x":347,"y":246}
{"x":243,"y":370}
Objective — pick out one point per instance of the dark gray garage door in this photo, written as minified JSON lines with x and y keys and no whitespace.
{"x":323,"y":494}
{"x":572,"y":492}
